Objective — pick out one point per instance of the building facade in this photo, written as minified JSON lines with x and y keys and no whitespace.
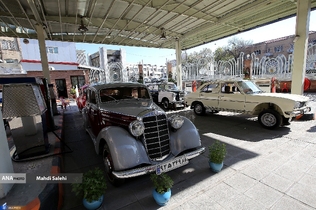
{"x":273,"y":48}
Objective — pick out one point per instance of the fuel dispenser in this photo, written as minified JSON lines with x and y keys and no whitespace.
{"x":25,"y":108}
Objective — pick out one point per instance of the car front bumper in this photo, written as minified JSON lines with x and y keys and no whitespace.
{"x":178,"y":103}
{"x":163,"y":166}
{"x":299,"y":111}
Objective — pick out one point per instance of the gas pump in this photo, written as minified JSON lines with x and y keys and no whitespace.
{"x":26,"y":110}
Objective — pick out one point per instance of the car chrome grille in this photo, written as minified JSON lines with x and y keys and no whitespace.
{"x":156,"y":136}
{"x":178,"y":97}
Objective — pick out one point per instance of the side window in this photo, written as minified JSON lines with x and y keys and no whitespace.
{"x":91,"y":96}
{"x":209,"y":88}
{"x":228,"y":88}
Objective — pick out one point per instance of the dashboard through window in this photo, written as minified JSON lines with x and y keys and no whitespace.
{"x":209,"y":88}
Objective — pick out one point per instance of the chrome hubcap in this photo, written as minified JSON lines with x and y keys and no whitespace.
{"x":268,"y":119}
{"x":198,"y":108}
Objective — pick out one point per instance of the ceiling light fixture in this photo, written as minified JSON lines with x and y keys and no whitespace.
{"x":82,"y":28}
{"x":163,"y":34}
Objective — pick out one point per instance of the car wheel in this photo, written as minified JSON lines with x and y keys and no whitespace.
{"x":165,"y":103}
{"x":270,"y":119}
{"x":286,"y":121}
{"x":108,"y":163}
{"x":199,"y":109}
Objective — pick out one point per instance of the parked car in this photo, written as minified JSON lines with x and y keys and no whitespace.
{"x":81,"y":99}
{"x":273,"y":109}
{"x":167,"y":94}
{"x":133,"y":134}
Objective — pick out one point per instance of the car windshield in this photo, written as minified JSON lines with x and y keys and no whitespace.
{"x":172,"y":87}
{"x":123,"y":93}
{"x":249,"y":87}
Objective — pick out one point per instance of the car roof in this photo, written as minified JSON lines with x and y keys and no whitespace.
{"x":99,"y":86}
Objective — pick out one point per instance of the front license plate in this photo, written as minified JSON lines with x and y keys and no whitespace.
{"x":171,"y":164}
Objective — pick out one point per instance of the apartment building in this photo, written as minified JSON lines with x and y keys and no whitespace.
{"x":10,"y":56}
{"x":275,"y":47}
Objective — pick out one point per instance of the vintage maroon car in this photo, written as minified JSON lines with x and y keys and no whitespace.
{"x":134,"y":135}
{"x":81,"y":99}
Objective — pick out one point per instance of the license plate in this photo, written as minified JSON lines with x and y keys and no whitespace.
{"x":171,"y":164}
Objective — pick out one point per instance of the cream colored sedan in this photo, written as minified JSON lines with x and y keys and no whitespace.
{"x":244,"y":96}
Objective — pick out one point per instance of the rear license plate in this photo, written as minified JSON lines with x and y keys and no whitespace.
{"x":171,"y":164}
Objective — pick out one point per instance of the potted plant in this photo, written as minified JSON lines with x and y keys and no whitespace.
{"x":162,"y":188}
{"x":217,"y":153}
{"x":92,"y":187}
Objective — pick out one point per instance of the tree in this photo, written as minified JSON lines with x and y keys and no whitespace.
{"x":193,"y":57}
{"x":232,"y":50}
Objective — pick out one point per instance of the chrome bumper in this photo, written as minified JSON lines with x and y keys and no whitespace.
{"x":300,"y":111}
{"x":152,"y":168}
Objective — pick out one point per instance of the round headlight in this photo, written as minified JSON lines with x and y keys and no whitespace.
{"x":137,"y":128}
{"x":176,"y":121}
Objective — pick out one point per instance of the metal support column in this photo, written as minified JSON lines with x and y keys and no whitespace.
{"x":42,"y":47}
{"x":5,"y":163}
{"x":300,"y":46}
{"x":179,"y":61}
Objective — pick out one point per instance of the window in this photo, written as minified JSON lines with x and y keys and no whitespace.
{"x":52,"y":50}
{"x":11,"y":60}
{"x":9,"y":45}
{"x":209,"y":88}
{"x":257,"y":52}
{"x":91,"y":97}
{"x":78,"y":81}
{"x":278,"y":49}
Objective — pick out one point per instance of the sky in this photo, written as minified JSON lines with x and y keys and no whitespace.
{"x":159,"y":57}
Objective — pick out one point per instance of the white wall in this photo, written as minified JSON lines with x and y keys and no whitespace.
{"x":66,"y":53}
{"x":38,"y":67}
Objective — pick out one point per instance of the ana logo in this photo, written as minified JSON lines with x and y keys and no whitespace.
{"x":7,"y":178}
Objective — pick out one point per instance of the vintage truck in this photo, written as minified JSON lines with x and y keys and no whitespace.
{"x":167,"y":95}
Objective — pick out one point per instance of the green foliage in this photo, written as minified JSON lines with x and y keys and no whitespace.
{"x":93,"y":185}
{"x":217,"y":152}
{"x":171,"y":80}
{"x":161,"y":182}
{"x":232,"y":50}
{"x":73,"y":91}
{"x":194,"y":56}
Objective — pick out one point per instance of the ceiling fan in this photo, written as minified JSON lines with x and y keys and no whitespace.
{"x":82,"y":28}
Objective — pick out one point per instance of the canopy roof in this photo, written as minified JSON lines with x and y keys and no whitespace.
{"x":142,"y":23}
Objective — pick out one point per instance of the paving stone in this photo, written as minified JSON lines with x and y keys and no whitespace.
{"x":204,"y":202}
{"x":241,"y":201}
{"x":255,"y":171}
{"x":221,"y":192}
{"x":264,"y":194}
{"x":241,"y":182}
{"x":304,"y":193}
{"x":293,"y":169}
{"x":277,"y":182}
{"x":289,"y":203}
{"x":308,"y":180}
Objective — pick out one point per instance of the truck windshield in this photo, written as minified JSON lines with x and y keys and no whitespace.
{"x":171,"y":87}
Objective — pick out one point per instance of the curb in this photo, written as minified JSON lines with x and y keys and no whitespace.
{"x":51,"y":197}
